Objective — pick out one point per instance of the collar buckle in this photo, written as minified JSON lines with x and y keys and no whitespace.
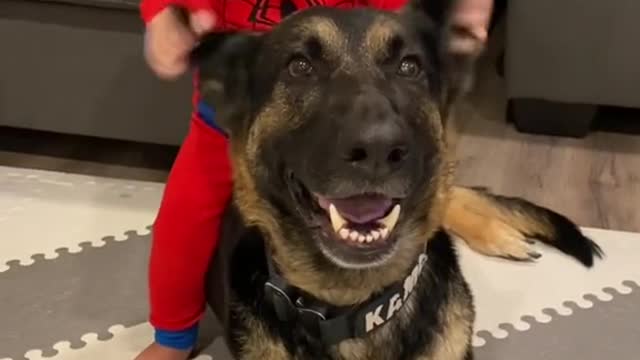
{"x":289,"y":310}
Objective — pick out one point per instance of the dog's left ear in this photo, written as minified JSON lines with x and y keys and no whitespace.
{"x":225,"y":63}
{"x":457,"y":62}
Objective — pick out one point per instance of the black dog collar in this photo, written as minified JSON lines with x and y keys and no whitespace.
{"x":337,"y":324}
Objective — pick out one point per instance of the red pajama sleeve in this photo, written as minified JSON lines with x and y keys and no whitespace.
{"x":150,"y":8}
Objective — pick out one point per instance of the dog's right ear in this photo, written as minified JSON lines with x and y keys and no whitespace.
{"x":225,"y":63}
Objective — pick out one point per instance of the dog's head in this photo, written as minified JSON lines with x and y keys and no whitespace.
{"x":336,"y":121}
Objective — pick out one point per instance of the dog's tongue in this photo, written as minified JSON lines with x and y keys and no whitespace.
{"x":359,"y":209}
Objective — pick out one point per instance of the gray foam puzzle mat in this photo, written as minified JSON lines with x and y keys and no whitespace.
{"x":73,"y":294}
{"x":609,"y":330}
{"x":73,"y":268}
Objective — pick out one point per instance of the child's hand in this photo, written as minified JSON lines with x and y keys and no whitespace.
{"x":169,"y":40}
{"x":473,"y":16}
{"x":159,"y":352}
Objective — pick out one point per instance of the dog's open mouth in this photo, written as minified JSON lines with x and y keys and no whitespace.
{"x":363,"y":220}
{"x":354,"y":230}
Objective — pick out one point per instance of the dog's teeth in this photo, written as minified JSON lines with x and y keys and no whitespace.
{"x":375,"y":234}
{"x":337,"y":221}
{"x":391,"y":220}
{"x":361,"y":238}
{"x":354,"y":235}
{"x":344,"y":233}
{"x":369,"y":238}
{"x":384,"y":232}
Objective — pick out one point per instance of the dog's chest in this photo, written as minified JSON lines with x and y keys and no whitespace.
{"x":382,"y":343}
{"x":268,"y":340}
{"x":393,"y":337}
{"x":438,"y":309}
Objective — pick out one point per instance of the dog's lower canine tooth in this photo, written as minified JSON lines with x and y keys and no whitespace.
{"x":384,"y":232}
{"x":337,"y":221}
{"x":391,"y":220}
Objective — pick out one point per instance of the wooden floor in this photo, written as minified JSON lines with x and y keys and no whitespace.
{"x":595,"y":181}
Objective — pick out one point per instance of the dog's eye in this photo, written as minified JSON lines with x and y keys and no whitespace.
{"x":409,"y":67}
{"x":299,"y":67}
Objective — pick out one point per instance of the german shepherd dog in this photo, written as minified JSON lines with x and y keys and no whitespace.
{"x":336,"y":244}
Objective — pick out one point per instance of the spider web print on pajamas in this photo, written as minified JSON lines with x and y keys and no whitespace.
{"x":265,"y":14}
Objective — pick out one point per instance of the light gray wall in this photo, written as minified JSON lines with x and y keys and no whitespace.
{"x":79,"y":70}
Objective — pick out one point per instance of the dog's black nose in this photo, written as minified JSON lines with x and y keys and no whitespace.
{"x":377,"y":147}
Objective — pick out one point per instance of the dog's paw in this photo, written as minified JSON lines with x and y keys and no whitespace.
{"x":498,"y":239}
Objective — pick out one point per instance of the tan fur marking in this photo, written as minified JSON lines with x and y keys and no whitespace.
{"x":378,"y":37}
{"x":355,"y":350}
{"x":442,"y":179}
{"x":274,"y":117}
{"x":255,"y":211}
{"x":454,"y":339}
{"x":452,"y":130}
{"x":214,"y":86}
{"x":333,"y":40}
{"x":259,"y":345}
{"x":335,"y":287}
{"x":489,"y":228}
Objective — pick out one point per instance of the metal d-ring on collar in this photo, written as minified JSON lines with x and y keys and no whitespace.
{"x":336,"y":324}
{"x":282,"y":296}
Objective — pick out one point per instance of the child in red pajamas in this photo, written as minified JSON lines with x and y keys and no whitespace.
{"x":199,"y":187}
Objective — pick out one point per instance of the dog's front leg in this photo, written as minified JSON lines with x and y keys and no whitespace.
{"x":485,"y":227}
{"x":504,"y":226}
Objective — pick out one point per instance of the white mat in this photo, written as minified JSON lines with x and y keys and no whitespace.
{"x":41,"y":211}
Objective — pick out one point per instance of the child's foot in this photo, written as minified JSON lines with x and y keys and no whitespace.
{"x":159,"y":352}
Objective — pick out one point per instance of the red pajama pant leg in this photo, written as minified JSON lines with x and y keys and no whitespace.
{"x":186,"y":230}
